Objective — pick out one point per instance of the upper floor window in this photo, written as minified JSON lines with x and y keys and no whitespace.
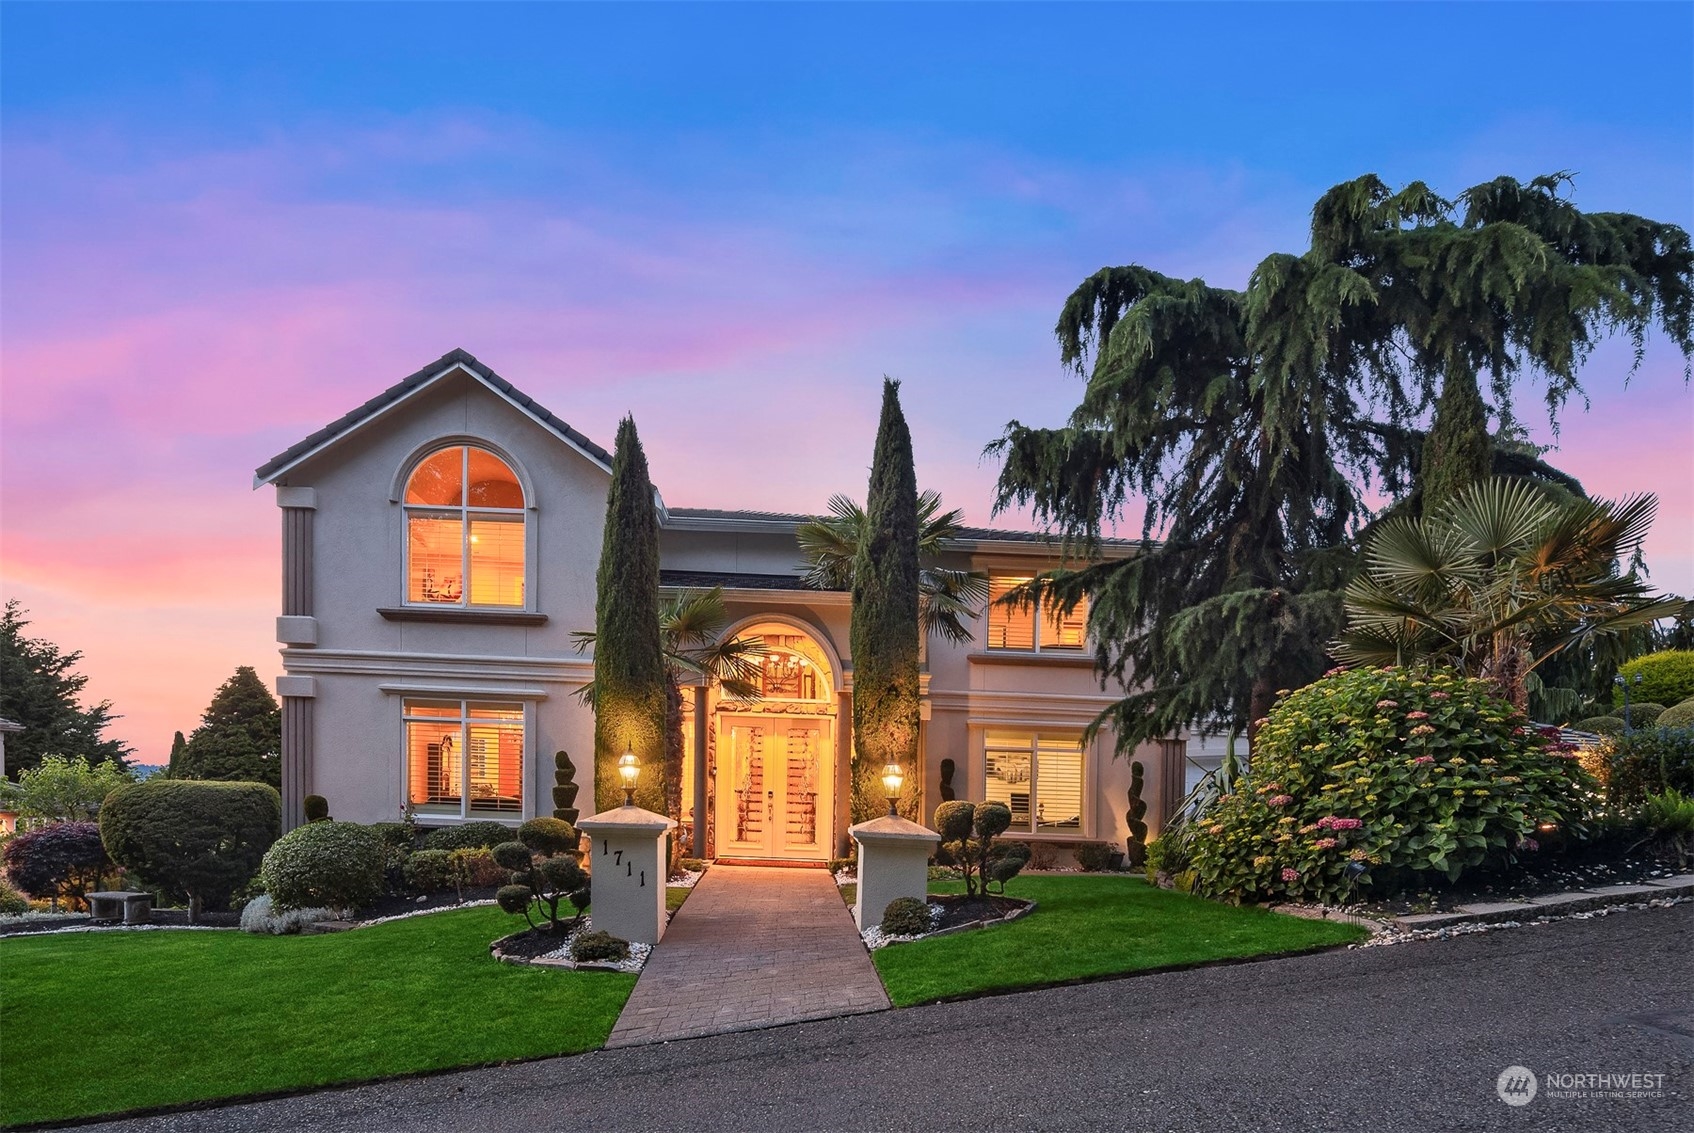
{"x":1033,"y":627}
{"x":465,"y":530}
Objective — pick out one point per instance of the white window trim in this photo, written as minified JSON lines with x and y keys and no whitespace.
{"x":526,"y":772}
{"x":1085,"y":780}
{"x":1035,"y":634}
{"x":465,"y":513}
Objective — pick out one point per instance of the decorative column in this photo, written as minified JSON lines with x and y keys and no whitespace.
{"x":626,"y":858}
{"x":701,"y":723}
{"x":296,"y":628}
{"x":894,"y":855}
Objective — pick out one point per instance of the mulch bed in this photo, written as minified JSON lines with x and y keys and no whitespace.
{"x":533,"y":942}
{"x":957,"y":909}
{"x":392,"y":905}
{"x":1530,"y":879}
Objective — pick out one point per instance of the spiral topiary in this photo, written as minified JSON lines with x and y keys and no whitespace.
{"x":1135,"y":846}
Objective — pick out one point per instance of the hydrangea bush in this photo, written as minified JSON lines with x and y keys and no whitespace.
{"x":1373,"y":775}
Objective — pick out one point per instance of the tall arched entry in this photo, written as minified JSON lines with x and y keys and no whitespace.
{"x":775,"y":754}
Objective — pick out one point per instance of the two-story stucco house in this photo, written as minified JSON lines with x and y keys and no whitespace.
{"x":439,"y":546}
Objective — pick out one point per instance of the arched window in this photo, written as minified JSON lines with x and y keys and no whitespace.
{"x":464,"y":531}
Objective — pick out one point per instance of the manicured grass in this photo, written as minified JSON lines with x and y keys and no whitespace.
{"x":101,"y":1022}
{"x":1087,"y":927}
{"x":675,"y":895}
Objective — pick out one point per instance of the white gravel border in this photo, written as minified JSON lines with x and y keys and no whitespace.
{"x":1383,"y":933}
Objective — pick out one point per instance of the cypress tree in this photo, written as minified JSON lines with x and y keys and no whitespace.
{"x":885,"y":621}
{"x":629,"y":659}
{"x":173,"y":769}
{"x":239,"y":735}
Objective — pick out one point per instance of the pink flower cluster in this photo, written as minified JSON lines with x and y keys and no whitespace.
{"x":1441,"y":696}
{"x":1529,"y":845}
{"x":1325,"y":844}
{"x":1422,"y":760}
{"x":1289,"y":873}
{"x":1280,"y":800}
{"x":1334,"y":823}
{"x":1388,"y":704}
{"x":1417,"y":715}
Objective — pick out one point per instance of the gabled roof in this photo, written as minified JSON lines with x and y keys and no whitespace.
{"x":449,"y":363}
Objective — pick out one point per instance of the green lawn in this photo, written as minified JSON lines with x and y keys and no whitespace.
{"x":99,"y":1022}
{"x":675,"y":895}
{"x":1091,"y":926}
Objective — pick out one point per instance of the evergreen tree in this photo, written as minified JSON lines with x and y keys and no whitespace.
{"x":239,"y":737}
{"x":885,"y":621}
{"x":173,"y":769}
{"x":40,"y":690}
{"x":629,"y":660}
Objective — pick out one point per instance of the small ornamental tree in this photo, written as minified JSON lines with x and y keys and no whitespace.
{"x":64,"y":790}
{"x":201,"y":841}
{"x":64,"y":859}
{"x":539,"y":884}
{"x":968,"y":834}
{"x":1379,"y":776}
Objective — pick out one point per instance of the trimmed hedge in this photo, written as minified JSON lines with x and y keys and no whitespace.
{"x":1600,"y":725}
{"x":483,"y":835}
{"x":1677,"y":715}
{"x":1666,"y":677}
{"x":199,"y":840}
{"x":333,"y":865}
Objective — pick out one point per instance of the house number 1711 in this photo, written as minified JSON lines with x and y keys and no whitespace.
{"x":617,"y":859}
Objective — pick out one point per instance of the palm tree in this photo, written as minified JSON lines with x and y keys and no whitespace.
{"x":691,"y":626}
{"x":948,"y":599}
{"x":1499,"y":581}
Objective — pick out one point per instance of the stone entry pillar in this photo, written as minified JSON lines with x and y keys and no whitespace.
{"x":894,"y":858}
{"x":627,"y":868}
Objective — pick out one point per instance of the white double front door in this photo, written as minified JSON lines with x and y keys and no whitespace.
{"x":776,"y":780}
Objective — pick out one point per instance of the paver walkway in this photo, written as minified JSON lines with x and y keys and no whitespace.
{"x":752,"y":948}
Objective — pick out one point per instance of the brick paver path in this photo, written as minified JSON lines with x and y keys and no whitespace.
{"x":752,"y":948}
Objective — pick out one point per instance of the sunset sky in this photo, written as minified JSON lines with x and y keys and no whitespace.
{"x":225,"y":225}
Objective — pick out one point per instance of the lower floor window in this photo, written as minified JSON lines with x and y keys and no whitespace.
{"x":1039,"y":776}
{"x":464,"y":757}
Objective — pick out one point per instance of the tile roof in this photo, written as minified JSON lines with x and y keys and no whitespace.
{"x":404,"y":388}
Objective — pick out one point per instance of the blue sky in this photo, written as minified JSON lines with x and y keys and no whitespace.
{"x":225,"y":224}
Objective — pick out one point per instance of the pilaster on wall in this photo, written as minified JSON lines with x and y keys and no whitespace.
{"x":298,"y":700}
{"x":1173,"y":778}
{"x":298,"y":506}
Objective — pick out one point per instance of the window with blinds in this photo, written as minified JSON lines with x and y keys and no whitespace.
{"x":1032,"y":628}
{"x":464,"y":758}
{"x":1039,"y":778}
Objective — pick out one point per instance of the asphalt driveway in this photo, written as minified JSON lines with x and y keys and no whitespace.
{"x":1411,"y":1037}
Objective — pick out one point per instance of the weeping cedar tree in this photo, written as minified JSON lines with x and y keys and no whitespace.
{"x":239,"y":735}
{"x":885,"y":620}
{"x":629,"y":660}
{"x":1252,"y":422}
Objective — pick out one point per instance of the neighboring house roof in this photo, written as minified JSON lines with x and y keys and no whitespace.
{"x":731,"y":580}
{"x":10,"y":725}
{"x":455,"y":360}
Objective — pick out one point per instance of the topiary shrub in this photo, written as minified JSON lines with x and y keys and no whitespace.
{"x":1648,"y":761}
{"x":1666,"y":677}
{"x":63,"y":859}
{"x":475,"y":869}
{"x":968,"y":835}
{"x":905,"y":916}
{"x":202,"y":841}
{"x":598,"y":946}
{"x":1677,"y":716}
{"x":316,"y":808}
{"x":429,"y":871}
{"x":1601,"y":725}
{"x":1403,"y":772}
{"x":481,"y":835}
{"x":334,"y":865}
{"x":398,"y":836}
{"x":1135,"y":845}
{"x":1642,"y":715}
{"x":548,"y":836}
{"x":548,"y":881}
{"x":1093,"y":857}
{"x":564,"y":788}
